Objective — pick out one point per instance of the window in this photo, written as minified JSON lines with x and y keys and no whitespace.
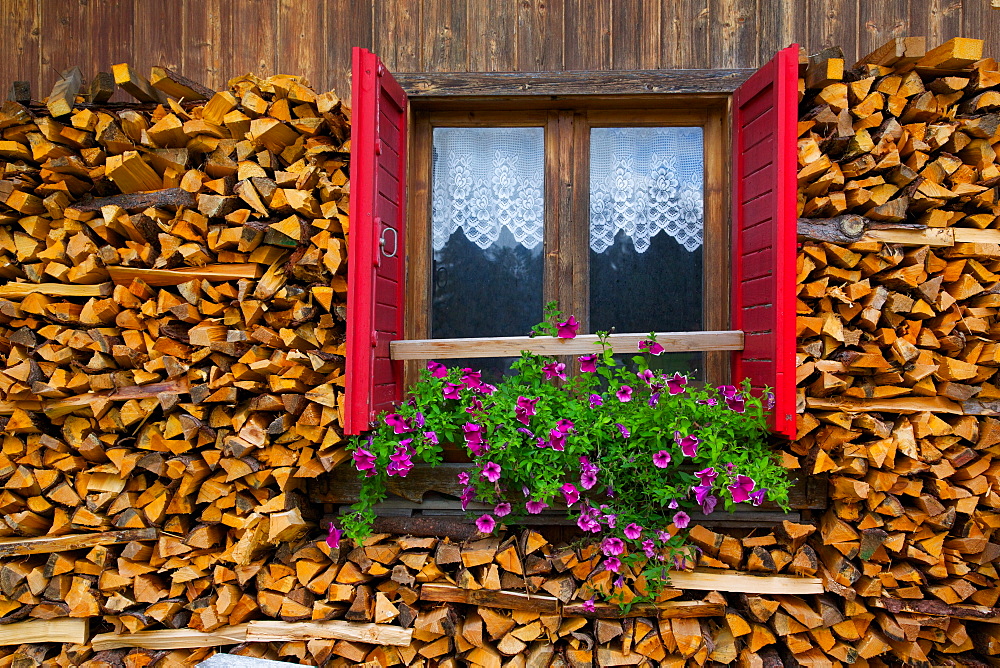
{"x":577,"y":113}
{"x":612,"y":212}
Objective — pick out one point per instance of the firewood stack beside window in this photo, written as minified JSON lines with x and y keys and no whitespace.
{"x":171,"y":332}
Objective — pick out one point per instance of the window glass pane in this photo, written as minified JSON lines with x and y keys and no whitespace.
{"x":646,"y":227}
{"x":487,"y":226}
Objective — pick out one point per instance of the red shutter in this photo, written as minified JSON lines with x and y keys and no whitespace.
{"x":764,"y":207}
{"x":375,"y":272}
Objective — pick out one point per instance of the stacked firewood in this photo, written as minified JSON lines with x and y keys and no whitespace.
{"x":899,"y":345}
{"x":171,"y":338}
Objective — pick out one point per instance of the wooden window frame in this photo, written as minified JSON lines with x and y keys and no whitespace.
{"x":567,"y":123}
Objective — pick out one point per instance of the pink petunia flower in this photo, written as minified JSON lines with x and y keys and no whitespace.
{"x":525,"y":409}
{"x":612,"y":546}
{"x":736,"y":404}
{"x":728,"y":391}
{"x":564,"y":425}
{"x":486,"y":523}
{"x":471,"y":379}
{"x":557,"y":440}
{"x":588,"y":363}
{"x":651,"y":347}
{"x":334,"y":536}
{"x":534,"y":507}
{"x":589,"y":606}
{"x":363,"y":460}
{"x":758,"y":497}
{"x":741,"y":488}
{"x":596,"y":400}
{"x":452,"y":390}
{"x":676,"y":384}
{"x":612,"y":564}
{"x":624,"y":393}
{"x":491,"y":471}
{"x":431,"y":437}
{"x":554,"y":370}
{"x":688,"y":444}
{"x":633,"y":531}
{"x":399,"y":425}
{"x":661,"y":459}
{"x":437,"y":369}
{"x":681,"y":520}
{"x":463,"y":477}
{"x":649,"y":548}
{"x":663,"y":536}
{"x":571,"y":493}
{"x":567,"y":330}
{"x":623,"y":429}
{"x":502,"y":509}
{"x":646,"y":376}
{"x":707,"y":476}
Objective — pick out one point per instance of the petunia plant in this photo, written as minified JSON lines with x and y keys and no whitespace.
{"x":627,"y":452}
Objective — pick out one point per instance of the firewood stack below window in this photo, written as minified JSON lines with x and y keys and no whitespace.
{"x":172,"y":375}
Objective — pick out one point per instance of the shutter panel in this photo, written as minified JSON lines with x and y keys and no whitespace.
{"x":764,"y":231}
{"x":375,"y":272}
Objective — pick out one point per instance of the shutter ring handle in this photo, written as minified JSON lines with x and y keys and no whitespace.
{"x":395,"y":241}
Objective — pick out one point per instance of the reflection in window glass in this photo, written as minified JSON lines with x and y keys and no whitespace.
{"x":487,"y":228}
{"x":646,"y":232}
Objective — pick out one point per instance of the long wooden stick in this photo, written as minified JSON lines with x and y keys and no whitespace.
{"x":511,"y":346}
{"x":506,"y":600}
{"x":171,"y":638}
{"x":164,"y":277}
{"x":16,"y":547}
{"x":45,"y":630}
{"x":667,"y":610}
{"x":19,"y":290}
{"x":377,"y":634}
{"x":734,"y":581}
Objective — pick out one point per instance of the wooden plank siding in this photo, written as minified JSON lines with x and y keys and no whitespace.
{"x":214,"y":40}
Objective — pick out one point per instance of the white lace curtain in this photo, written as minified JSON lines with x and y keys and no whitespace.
{"x":643,"y":181}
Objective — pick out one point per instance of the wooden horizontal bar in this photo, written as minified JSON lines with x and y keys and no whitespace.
{"x":511,"y":346}
{"x":45,"y":630}
{"x":667,"y":610}
{"x":376,"y":634}
{"x":736,"y":582}
{"x":17,"y":547}
{"x":636,"y":82}
{"x":979,"y":613}
{"x":171,"y":638}
{"x":20,"y":290}
{"x":931,"y":236}
{"x":215,"y":273}
{"x":59,"y":407}
{"x":895,"y":405}
{"x":131,"y":202}
{"x":506,"y":600}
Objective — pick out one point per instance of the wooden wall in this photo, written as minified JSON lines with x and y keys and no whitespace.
{"x":212,"y":40}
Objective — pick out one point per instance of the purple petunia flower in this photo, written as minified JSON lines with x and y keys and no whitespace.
{"x":663,"y":536}
{"x":419,"y":419}
{"x":567,"y":330}
{"x":758,"y":497}
{"x":701,"y":492}
{"x":534,"y":507}
{"x":437,"y":369}
{"x":681,"y":520}
{"x":624,"y":393}
{"x":654,"y":399}
{"x":588,"y":480}
{"x":524,"y":409}
{"x":633,"y":531}
{"x":707,"y":476}
{"x":651,"y":347}
{"x":769,"y":401}
{"x":589,"y":606}
{"x":661,"y":459}
{"x":646,"y":376}
{"x":333,"y":537}
{"x":554,"y":370}
{"x":363,"y":460}
{"x":468,"y":494}
{"x":736,"y":404}
{"x":452,"y":391}
{"x":473,"y":436}
{"x":471,"y":379}
{"x":711,"y":401}
{"x":486,"y":523}
{"x":676,"y":384}
{"x":728,"y":391}
{"x":463,"y":478}
{"x":400,"y":462}
{"x":596,"y":400}
{"x":564,"y":425}
{"x":588,"y":363}
{"x":624,"y":431}
{"x":485,"y":388}
{"x":612,"y":546}
{"x":570,"y":493}
{"x":741,"y":488}
{"x":491,"y":471}
{"x":619,"y":582}
{"x":399,"y":425}
{"x":612,"y":564}
{"x":431,"y":436}
{"x":673,"y":504}
{"x":649,"y":548}
{"x":708,"y":505}
{"x":688,"y":444}
{"x":557,"y":440}
{"x":502,"y":509}
{"x":610,"y":519}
